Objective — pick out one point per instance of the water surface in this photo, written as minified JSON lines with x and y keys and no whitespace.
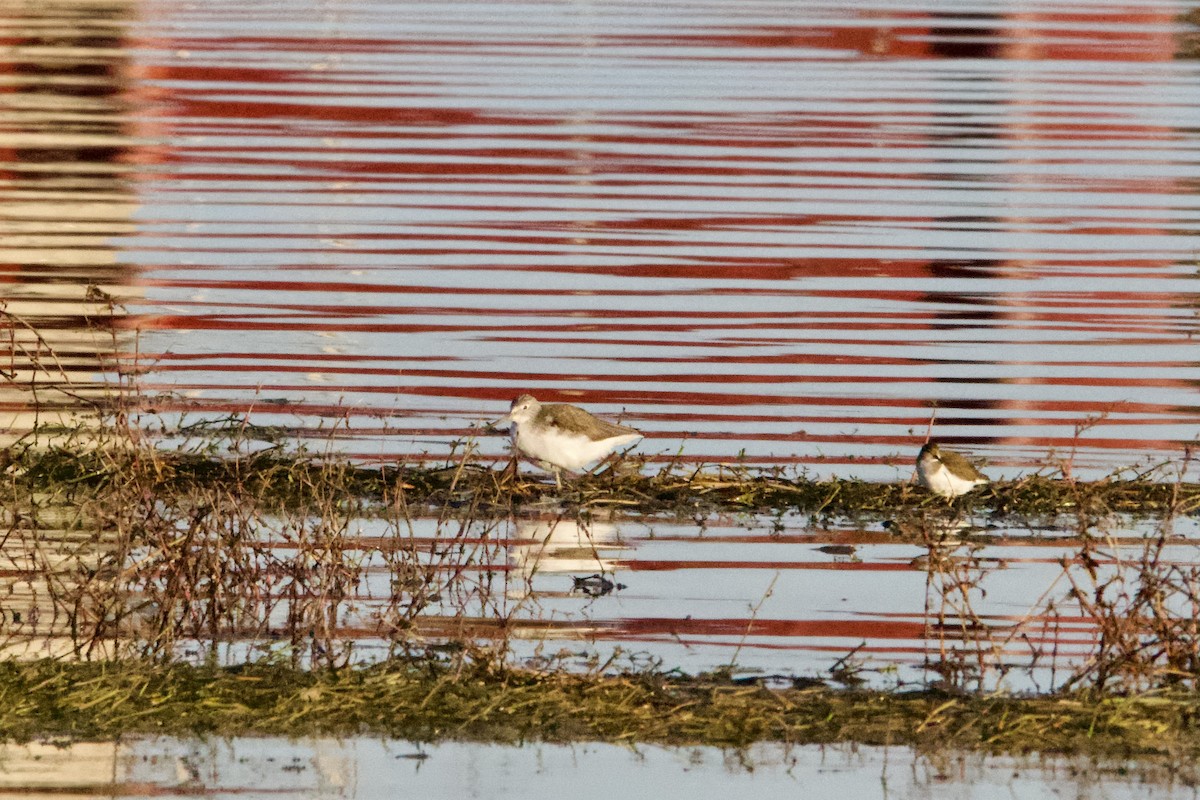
{"x":369,"y":768}
{"x":900,"y":604}
{"x":788,"y":233}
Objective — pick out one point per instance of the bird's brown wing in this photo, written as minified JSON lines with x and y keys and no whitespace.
{"x":961,"y":466}
{"x":575,"y":418}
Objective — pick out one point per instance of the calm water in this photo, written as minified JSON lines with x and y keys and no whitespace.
{"x":794,"y":232}
{"x":368,"y":768}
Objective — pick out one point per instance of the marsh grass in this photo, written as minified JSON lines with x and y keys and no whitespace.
{"x":294,"y":477}
{"x":431,"y":701}
{"x":236,"y":546}
{"x":235,"y":543}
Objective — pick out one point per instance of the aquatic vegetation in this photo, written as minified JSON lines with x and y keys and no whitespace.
{"x":435,"y":701}
{"x":226,"y":546}
{"x":209,"y":575}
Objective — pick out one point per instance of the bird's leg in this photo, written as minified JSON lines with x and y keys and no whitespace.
{"x":610,"y":461}
{"x":607,"y":462}
{"x":558,"y":478}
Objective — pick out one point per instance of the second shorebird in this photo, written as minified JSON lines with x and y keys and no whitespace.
{"x":947,"y":473}
{"x":564,"y":436}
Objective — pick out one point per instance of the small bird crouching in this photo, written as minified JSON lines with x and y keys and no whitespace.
{"x":946,"y":473}
{"x":564,"y":436}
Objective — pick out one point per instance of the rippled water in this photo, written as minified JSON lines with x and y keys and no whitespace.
{"x":787,"y":233}
{"x":791,"y":232}
{"x":889,"y":605}
{"x":988,"y":606}
{"x":368,"y":768}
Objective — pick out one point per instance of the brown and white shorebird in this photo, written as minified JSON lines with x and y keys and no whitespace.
{"x":564,"y":436}
{"x":946,"y":473}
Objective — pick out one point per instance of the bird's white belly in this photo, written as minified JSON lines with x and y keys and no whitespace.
{"x":940,"y":480}
{"x":567,"y":450}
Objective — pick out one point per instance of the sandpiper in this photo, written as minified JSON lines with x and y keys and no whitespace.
{"x":946,"y":473}
{"x":562,"y":435}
